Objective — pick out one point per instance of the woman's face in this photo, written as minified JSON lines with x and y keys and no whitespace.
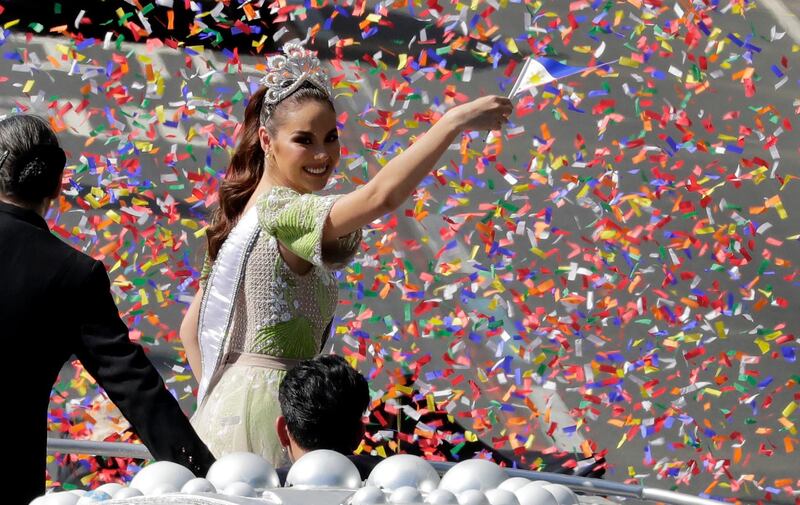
{"x":305,"y":149}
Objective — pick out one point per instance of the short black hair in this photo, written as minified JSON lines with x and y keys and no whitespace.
{"x":323,"y":400}
{"x":31,"y":161}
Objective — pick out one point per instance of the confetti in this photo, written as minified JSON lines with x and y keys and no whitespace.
{"x":612,"y":276}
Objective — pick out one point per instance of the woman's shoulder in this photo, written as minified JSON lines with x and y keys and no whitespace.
{"x":280,"y":200}
{"x":276,"y":198}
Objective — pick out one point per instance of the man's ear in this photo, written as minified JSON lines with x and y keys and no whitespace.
{"x":282,"y":430}
{"x":57,"y":190}
{"x":263,"y":138}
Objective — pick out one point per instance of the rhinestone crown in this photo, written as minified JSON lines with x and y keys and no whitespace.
{"x":288,"y":71}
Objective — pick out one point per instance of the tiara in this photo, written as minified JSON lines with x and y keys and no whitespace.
{"x":288,"y":71}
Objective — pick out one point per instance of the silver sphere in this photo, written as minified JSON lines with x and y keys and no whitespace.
{"x":562,"y":494}
{"x":324,"y":469}
{"x":406,"y":494}
{"x":513,"y":483}
{"x":477,"y":474}
{"x":198,"y":485}
{"x":111,"y":488}
{"x":93,"y":497}
{"x":368,"y":495}
{"x":160,"y":473}
{"x":271,"y":497}
{"x":239,"y":489}
{"x":127,"y":492}
{"x":244,"y":467}
{"x":59,"y":498}
{"x":164,"y":488}
{"x":535,"y":494}
{"x":501,"y":496}
{"x":404,"y":470}
{"x":472,"y":497}
{"x":441,"y":497}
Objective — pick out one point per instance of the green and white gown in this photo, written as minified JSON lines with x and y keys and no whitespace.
{"x":259,"y":317}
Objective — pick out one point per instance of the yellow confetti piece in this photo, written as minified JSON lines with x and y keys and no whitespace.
{"x":788,"y":425}
{"x":512,"y":45}
{"x":762,"y":345}
{"x":28,"y":86}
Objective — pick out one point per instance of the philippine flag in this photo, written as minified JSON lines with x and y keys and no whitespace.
{"x":538,"y":71}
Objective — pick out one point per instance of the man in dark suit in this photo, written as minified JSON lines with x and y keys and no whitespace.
{"x":55,"y":302}
{"x":323,"y":401}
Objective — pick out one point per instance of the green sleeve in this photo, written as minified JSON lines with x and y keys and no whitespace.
{"x":297,"y":221}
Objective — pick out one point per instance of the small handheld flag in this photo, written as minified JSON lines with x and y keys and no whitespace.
{"x":538,"y":71}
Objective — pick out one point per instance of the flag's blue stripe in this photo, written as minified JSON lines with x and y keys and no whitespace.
{"x":557,"y":69}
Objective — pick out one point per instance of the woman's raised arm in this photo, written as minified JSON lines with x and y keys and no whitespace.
{"x":395,"y":182}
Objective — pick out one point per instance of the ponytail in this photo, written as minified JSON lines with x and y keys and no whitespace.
{"x":241,"y":178}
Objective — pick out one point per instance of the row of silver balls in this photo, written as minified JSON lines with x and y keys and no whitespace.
{"x":400,"y":479}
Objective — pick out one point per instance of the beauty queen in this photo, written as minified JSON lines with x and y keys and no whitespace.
{"x":267,"y":294}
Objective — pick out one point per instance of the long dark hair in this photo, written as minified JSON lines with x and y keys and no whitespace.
{"x":247,"y":163}
{"x":31,"y":161}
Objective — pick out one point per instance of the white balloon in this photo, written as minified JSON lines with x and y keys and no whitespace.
{"x":501,"y":496}
{"x":477,"y":474}
{"x":513,"y":483}
{"x":562,"y":493}
{"x":239,"y":489}
{"x":441,"y":497}
{"x":535,"y":494}
{"x":159,"y":474}
{"x":244,"y":467}
{"x":127,"y":492}
{"x":198,"y":485}
{"x":404,"y":470}
{"x":368,"y":495}
{"x":406,"y":494}
{"x":472,"y":497}
{"x":324,"y":469}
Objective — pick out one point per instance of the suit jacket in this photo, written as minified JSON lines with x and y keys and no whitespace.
{"x":55,"y":302}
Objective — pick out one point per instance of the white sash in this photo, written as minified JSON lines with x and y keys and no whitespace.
{"x":216,"y":312}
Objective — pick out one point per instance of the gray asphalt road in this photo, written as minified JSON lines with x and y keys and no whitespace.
{"x":700,"y":409}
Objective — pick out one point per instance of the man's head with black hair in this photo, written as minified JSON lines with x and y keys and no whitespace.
{"x":323,"y":401}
